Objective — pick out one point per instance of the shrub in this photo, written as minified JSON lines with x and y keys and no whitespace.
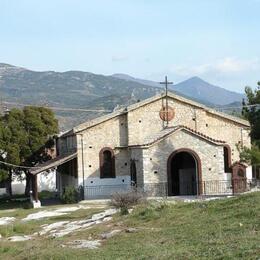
{"x":3,"y":175}
{"x":70,"y":195}
{"x":45,"y":194}
{"x":125,"y":200}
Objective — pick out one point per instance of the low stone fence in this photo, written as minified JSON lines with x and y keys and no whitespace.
{"x":204,"y":188}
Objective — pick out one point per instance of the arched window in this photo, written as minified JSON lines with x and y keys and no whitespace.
{"x":227,"y":159}
{"x":107,"y":163}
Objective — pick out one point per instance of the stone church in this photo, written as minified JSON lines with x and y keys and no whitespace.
{"x":165,"y":145}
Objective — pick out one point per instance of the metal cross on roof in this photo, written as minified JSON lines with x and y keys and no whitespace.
{"x":166,"y":83}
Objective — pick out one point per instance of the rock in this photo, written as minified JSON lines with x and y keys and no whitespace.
{"x":131,"y":230}
{"x":110,"y":234}
{"x":19,"y":238}
{"x":107,"y":219}
{"x":104,"y":214}
{"x":62,"y":228}
{"x":51,"y":227}
{"x":43,"y":214}
{"x":6,"y":220}
{"x":90,"y":244}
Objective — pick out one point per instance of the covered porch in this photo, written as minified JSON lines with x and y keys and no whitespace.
{"x":66,"y":164}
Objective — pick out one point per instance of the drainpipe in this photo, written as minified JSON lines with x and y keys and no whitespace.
{"x":83,"y":167}
{"x":242,"y":141}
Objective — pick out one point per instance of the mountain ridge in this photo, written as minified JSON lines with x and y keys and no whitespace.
{"x":85,"y":90}
{"x":195,"y":87}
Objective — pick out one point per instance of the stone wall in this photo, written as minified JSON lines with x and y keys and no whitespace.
{"x":133,"y":127}
{"x":145,"y":121}
{"x":155,"y":157}
{"x":112,"y":134}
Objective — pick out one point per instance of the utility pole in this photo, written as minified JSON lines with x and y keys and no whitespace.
{"x":166,"y":83}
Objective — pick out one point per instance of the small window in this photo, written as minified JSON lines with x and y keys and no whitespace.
{"x":107,"y":163}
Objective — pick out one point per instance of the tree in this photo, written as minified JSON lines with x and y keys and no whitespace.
{"x":23,"y":137}
{"x":250,"y":155}
{"x":251,"y":111}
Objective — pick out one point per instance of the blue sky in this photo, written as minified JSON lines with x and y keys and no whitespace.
{"x":217,"y":40}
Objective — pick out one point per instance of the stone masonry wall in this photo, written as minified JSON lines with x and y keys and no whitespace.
{"x":155,"y":157}
{"x":112,"y":133}
{"x":132,"y":129}
{"x":145,"y":121}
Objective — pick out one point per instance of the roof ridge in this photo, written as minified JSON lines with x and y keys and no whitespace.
{"x":144,"y":102}
{"x":202,"y":134}
{"x":157,"y":137}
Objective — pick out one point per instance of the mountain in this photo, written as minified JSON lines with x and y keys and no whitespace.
{"x":200,"y":89}
{"x":89,"y":91}
{"x":195,"y":88}
{"x":141,"y":81}
{"x":71,"y":89}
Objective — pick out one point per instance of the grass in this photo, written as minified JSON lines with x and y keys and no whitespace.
{"x":222,"y":229}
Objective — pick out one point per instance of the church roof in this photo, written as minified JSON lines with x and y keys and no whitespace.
{"x":171,"y":130}
{"x":137,"y":105}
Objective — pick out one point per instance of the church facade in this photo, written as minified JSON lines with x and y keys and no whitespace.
{"x":165,"y":144}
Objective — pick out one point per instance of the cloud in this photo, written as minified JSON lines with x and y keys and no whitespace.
{"x":228,"y":65}
{"x":235,"y":65}
{"x":119,"y":58}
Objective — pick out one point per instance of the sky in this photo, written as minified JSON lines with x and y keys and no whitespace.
{"x":217,"y":40}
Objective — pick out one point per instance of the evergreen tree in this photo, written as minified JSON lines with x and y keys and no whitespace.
{"x":251,"y":111}
{"x":23,"y":137}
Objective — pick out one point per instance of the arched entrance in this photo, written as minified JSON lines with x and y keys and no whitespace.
{"x":184,"y":173}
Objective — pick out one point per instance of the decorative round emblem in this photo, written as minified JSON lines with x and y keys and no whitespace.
{"x":167,"y":115}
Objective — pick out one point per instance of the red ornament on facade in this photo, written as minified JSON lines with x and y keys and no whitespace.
{"x":167,"y":115}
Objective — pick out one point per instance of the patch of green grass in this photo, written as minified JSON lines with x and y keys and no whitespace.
{"x":222,"y":229}
{"x":18,"y":229}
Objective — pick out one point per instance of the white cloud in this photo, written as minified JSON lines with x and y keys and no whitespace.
{"x":234,"y":65}
{"x":228,"y":65}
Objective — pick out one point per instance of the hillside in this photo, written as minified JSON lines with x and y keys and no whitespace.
{"x":85,"y":90}
{"x":73,"y":89}
{"x":221,"y":229}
